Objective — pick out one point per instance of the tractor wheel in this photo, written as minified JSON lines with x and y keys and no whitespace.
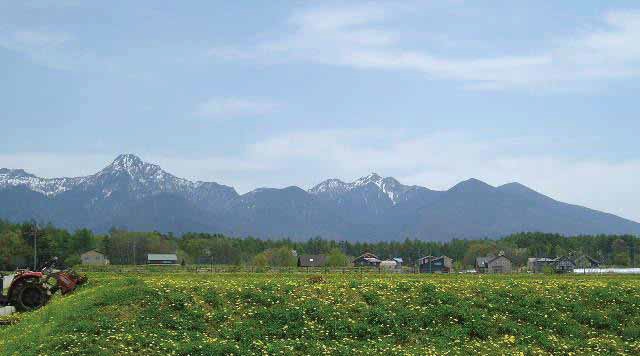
{"x":29,"y":295}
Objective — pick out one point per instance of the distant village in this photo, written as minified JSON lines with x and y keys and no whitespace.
{"x":521,"y":252}
{"x":492,"y":264}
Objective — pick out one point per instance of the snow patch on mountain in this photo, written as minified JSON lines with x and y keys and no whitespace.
{"x":46,"y":186}
{"x":127,"y":171}
{"x":333,"y":188}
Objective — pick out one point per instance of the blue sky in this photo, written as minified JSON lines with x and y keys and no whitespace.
{"x":278,"y":93}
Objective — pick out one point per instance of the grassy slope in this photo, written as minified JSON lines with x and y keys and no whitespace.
{"x":188,"y":314}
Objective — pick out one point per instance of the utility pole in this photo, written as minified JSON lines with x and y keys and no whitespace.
{"x":207,"y":251}
{"x":35,"y":245}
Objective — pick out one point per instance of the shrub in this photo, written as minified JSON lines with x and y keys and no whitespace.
{"x":631,"y":332}
{"x":315,"y":279}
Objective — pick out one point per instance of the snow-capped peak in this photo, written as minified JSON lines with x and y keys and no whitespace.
{"x":335,"y":187}
{"x":127,"y":161}
{"x":329,"y":185}
{"x":132,"y":165}
{"x":18,"y":177}
{"x":15,"y":173}
{"x":127,"y":171}
{"x":371,"y":178}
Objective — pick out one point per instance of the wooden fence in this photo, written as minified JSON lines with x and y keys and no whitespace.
{"x":234,"y":269}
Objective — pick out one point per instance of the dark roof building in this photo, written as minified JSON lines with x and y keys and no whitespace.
{"x":312,"y":260}
{"x":584,"y":261}
{"x":435,"y":264}
{"x":494,"y":264}
{"x":366,"y":260}
{"x":538,"y":264}
{"x":162,"y":259}
{"x":563,"y":264}
{"x":481,"y":262}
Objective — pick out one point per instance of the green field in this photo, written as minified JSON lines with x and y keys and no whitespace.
{"x":347,"y":314}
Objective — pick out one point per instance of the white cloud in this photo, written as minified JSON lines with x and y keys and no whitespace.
{"x":363,"y":37}
{"x":52,"y":49}
{"x":52,"y":165}
{"x":31,"y":39}
{"x":33,"y":43}
{"x":441,"y":160}
{"x":231,"y":108}
{"x":48,"y":4}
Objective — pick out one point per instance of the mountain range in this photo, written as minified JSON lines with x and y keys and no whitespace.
{"x":130,"y":193}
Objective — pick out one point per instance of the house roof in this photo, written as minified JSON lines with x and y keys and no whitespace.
{"x":94,"y":251}
{"x":366,"y":255}
{"x":427,"y":259}
{"x":398,"y":259}
{"x":312,"y":260}
{"x":496,"y":257}
{"x":591,"y":259}
{"x":162,"y":256}
{"x":565,"y":258}
{"x":484,"y":261}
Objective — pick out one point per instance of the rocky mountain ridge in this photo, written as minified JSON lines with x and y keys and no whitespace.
{"x":130,"y":193}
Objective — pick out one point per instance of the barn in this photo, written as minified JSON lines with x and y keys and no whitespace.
{"x":162,"y":259}
{"x":367,"y":259}
{"x":540,"y":263}
{"x":584,"y":261}
{"x":312,"y":260}
{"x":435,"y":264}
{"x":564,"y":264}
{"x":394,"y":264}
{"x":94,"y":257}
{"x":494,"y":264}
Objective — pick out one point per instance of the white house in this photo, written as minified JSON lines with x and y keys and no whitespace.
{"x":94,"y":257}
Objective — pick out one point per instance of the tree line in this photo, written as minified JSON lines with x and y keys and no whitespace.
{"x":128,"y":247}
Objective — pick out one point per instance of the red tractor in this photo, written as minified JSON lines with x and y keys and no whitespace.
{"x":31,"y":290}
